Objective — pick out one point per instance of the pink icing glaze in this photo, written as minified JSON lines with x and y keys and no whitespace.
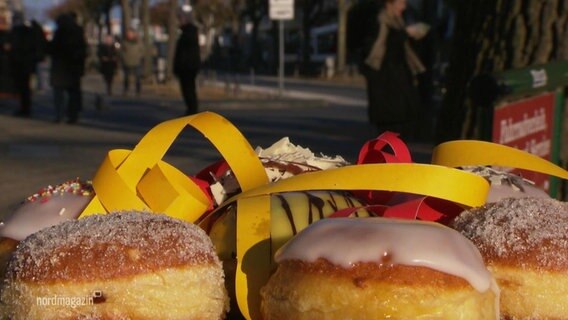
{"x":50,"y":206}
{"x":33,"y":216}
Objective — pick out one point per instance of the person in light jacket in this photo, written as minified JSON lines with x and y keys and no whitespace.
{"x":132,"y":53}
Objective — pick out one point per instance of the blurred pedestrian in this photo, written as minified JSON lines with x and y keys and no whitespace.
{"x":6,"y":82}
{"x":40,"y":52}
{"x":68,"y":51}
{"x":132,"y":52}
{"x":22,"y":57}
{"x":187,"y":61}
{"x":108,"y":61}
{"x":229,"y":53}
{"x":389,"y":66}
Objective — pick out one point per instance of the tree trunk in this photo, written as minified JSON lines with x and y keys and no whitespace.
{"x":306,"y":37}
{"x":126,"y":16}
{"x":148,"y":45}
{"x":343,"y":9}
{"x":172,"y":37}
{"x":492,"y":36}
{"x":108,"y":21}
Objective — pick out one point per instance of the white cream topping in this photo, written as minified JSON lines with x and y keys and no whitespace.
{"x":44,"y":212}
{"x":285,"y":151}
{"x":346,"y":241}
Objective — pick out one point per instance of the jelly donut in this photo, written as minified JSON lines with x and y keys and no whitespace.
{"x":378,"y":268}
{"x":524,"y":242}
{"x":126,"y":265}
{"x":506,"y":184}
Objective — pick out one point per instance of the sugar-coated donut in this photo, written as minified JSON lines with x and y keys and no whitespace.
{"x":377,"y":268}
{"x":126,"y":265}
{"x":524,"y":242}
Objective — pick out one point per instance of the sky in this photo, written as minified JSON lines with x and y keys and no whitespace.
{"x":36,"y":8}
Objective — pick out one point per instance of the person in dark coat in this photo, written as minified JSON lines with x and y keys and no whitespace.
{"x":23,"y":62}
{"x":389,"y":66}
{"x":187,"y":62}
{"x":68,"y":51}
{"x":108,"y":57}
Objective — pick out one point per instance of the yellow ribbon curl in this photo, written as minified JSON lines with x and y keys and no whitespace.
{"x":481,"y":153}
{"x":139,"y":179}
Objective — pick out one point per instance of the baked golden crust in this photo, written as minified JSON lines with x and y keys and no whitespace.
{"x":189,"y":292}
{"x":7,"y":247}
{"x":145,"y":266}
{"x":363,"y":274}
{"x":320,"y":290}
{"x":526,"y":233}
{"x":531,"y":294}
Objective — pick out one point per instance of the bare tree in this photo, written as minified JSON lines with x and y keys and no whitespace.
{"x":126,"y":15}
{"x":146,"y":38}
{"x":343,"y":9}
{"x":255,"y":10}
{"x":172,"y":32}
{"x":493,"y":36}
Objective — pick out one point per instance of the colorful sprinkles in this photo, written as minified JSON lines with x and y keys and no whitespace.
{"x":75,"y":186}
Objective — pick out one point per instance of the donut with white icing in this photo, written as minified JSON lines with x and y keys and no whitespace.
{"x":49,"y":206}
{"x":125,"y":265}
{"x":524,"y":242}
{"x":506,"y":185}
{"x":377,"y":268}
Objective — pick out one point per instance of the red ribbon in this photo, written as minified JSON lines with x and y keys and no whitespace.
{"x":397,"y":205}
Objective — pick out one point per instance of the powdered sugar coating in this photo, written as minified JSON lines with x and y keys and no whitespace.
{"x":523,"y":232}
{"x":109,"y":246}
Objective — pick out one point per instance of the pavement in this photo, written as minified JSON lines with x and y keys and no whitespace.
{"x":36,"y":152}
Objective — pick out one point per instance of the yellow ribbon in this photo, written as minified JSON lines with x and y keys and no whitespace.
{"x":139,"y":179}
{"x":254,"y":253}
{"x":469,"y":152}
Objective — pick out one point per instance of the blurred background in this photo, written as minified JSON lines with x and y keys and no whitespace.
{"x":467,"y":38}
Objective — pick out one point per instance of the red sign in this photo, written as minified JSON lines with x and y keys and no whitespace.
{"x":527,"y":125}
